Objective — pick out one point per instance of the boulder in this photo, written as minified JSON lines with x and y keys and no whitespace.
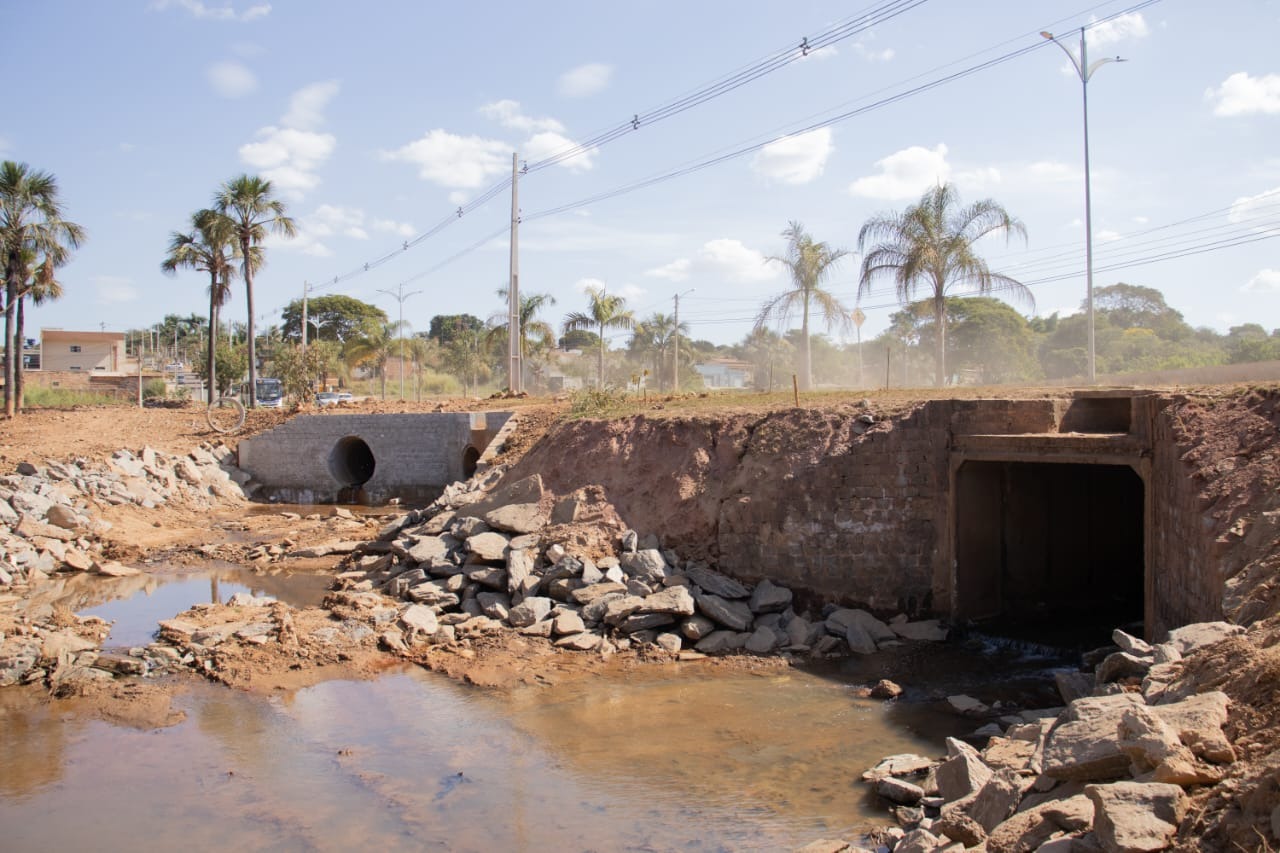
{"x":899,"y":791}
{"x":885,"y":689}
{"x":1131,"y":644}
{"x":533,"y":609}
{"x":489,"y":547}
{"x":64,"y":517}
{"x":1198,"y":722}
{"x":644,"y":621}
{"x":839,"y":622}
{"x":732,"y":614}
{"x":919,"y":841}
{"x":1156,"y":753}
{"x":768,"y":597}
{"x":1027,"y":830}
{"x":997,"y":799}
{"x":715,"y":583}
{"x":567,"y":622}
{"x":587,"y":594}
{"x":646,"y":565}
{"x":669,"y":642}
{"x":903,"y":764}
{"x":516,"y":518}
{"x":1121,"y":665}
{"x":676,"y":600}
{"x":860,"y":642}
{"x":520,"y":566}
{"x":925,"y":630}
{"x":1188,"y":638}
{"x":1084,"y":747}
{"x":584,"y":642}
{"x":762,"y":641}
{"x":696,"y":627}
{"x":962,"y":773}
{"x":419,"y":619}
{"x":112,"y":569}
{"x":495,"y":605}
{"x":967,"y":706}
{"x":1136,"y":816}
{"x":619,"y":609}
{"x":426,"y":549}
{"x":722,"y":641}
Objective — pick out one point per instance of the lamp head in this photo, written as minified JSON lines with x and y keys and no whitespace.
{"x":1047,"y":35}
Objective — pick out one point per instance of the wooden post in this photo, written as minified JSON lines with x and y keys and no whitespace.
{"x":886,"y":368}
{"x":795,"y":389}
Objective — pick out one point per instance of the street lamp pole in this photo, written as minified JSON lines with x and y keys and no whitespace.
{"x":1085,"y":71}
{"x":400,"y":296}
{"x":675,"y":360}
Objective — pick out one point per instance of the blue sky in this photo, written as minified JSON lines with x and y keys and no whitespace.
{"x":376,"y":120}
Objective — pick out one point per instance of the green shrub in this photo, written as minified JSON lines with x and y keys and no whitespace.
{"x":66,"y":398}
{"x":154,"y":389}
{"x":597,"y":402}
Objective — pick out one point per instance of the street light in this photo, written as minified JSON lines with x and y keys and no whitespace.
{"x":400,"y":296}
{"x":1085,"y":72}
{"x":675,"y":361}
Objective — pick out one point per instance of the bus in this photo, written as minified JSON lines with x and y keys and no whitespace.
{"x":270,"y":394}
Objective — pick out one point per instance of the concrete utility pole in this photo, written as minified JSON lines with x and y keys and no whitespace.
{"x":515,"y":381}
{"x":675,"y":356}
{"x":305,"y":287}
{"x":400,"y":296}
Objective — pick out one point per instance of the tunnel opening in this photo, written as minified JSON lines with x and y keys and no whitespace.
{"x":470,"y":459}
{"x":351,"y":462}
{"x":1049,"y":552}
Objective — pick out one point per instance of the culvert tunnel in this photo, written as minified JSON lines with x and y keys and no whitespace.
{"x":1052,"y":548}
{"x":351,"y":462}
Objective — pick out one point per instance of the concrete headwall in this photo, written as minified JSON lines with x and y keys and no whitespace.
{"x":339,"y":457}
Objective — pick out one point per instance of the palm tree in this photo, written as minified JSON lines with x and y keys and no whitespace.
{"x":809,"y":264}
{"x":536,"y":336}
{"x":246,"y":202}
{"x":42,"y":287}
{"x":374,"y":347}
{"x":31,"y":225}
{"x":655,"y":335}
{"x":605,"y":312}
{"x":210,"y":246}
{"x":930,"y":246}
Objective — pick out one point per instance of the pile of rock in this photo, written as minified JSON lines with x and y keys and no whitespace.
{"x":48,"y":525}
{"x":1107,"y":772}
{"x":479,"y":564}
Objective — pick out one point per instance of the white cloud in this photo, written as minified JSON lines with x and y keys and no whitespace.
{"x":905,"y":174}
{"x":677,"y":270}
{"x":827,"y":52}
{"x":460,"y":162}
{"x":872,"y":55}
{"x":1141,"y":220}
{"x":1130,"y":26}
{"x":400,"y":229}
{"x":1051,"y":172}
{"x":1107,"y":236}
{"x":585,"y":80}
{"x":329,"y":219}
{"x":626,"y":291}
{"x":306,"y":106}
{"x":795,"y":159}
{"x":1249,"y":207}
{"x":214,"y":13}
{"x":113,"y":289}
{"x":543,"y":145}
{"x":723,"y":259}
{"x":980,"y":180}
{"x":230,"y":79}
{"x":1242,"y":95}
{"x":289,"y":156}
{"x":458,"y":197}
{"x":582,"y":285}
{"x":508,"y":113}
{"x":1266,"y":281}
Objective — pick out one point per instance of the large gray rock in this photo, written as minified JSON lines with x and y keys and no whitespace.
{"x":925,"y":630}
{"x":1136,"y":816}
{"x":584,"y":642}
{"x":768,"y":597}
{"x":1085,"y":748}
{"x":619,"y":609}
{"x":899,"y":791}
{"x":1198,"y":722}
{"x":426,"y":549}
{"x":1121,"y":665}
{"x":587,"y":594}
{"x":516,"y":518}
{"x":732,"y":614}
{"x":1188,"y":638}
{"x":963,"y":772}
{"x":495,"y":605}
{"x":1027,"y":830}
{"x":533,"y":609}
{"x":762,"y":641}
{"x":567,"y":622}
{"x":839,"y":622}
{"x":860,"y":642}
{"x":490,"y":547}
{"x":997,"y":799}
{"x":697,"y":627}
{"x":676,"y":600}
{"x":722,"y":641}
{"x":419,"y":619}
{"x":715,"y":583}
{"x":64,"y":517}
{"x":646,"y":565}
{"x":1157,"y":753}
{"x":644,"y":621}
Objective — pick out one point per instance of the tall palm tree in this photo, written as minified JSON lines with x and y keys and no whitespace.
{"x":42,"y":287}
{"x":605,"y":311}
{"x":809,"y":264}
{"x":210,"y":247}
{"x":930,"y":246}
{"x":247,"y":203}
{"x":31,"y":224}
{"x":536,"y":336}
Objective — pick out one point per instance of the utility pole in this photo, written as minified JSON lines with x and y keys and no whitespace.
{"x":675,"y":357}
{"x":859,"y":317}
{"x":305,"y":287}
{"x":515,"y":381}
{"x":400,"y":296}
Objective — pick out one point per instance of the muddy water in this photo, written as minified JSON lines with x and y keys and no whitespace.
{"x":691,"y":759}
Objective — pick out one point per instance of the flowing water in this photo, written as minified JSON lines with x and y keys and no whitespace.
{"x":681,"y":757}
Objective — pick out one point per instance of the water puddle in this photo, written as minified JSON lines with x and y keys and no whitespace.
{"x":698,"y":759}
{"x":136,"y":605}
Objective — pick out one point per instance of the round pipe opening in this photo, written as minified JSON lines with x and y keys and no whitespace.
{"x":470,"y":457}
{"x":351,"y":462}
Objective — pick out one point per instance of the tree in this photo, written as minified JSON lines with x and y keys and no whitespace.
{"x":445,"y":327}
{"x":332,"y":318}
{"x":987,"y":339}
{"x":466,"y":357}
{"x":229,"y":360}
{"x":809,"y":264}
{"x":580,"y":339}
{"x":536,"y":336}
{"x":930,"y":246}
{"x":654,"y":336}
{"x":605,"y":312}
{"x":209,"y":247}
{"x":765,"y":348}
{"x":42,"y":287}
{"x":31,"y":226}
{"x":247,"y":204}
{"x":373,"y":347}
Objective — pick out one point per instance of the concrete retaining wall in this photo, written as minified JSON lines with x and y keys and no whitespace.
{"x":413,"y":455}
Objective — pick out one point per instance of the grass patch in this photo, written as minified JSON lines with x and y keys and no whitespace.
{"x":66,"y":398}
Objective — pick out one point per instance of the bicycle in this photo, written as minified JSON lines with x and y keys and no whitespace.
{"x":225,"y":414}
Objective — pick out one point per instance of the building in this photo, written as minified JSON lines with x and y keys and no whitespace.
{"x":82,"y":352}
{"x":725,"y":373}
